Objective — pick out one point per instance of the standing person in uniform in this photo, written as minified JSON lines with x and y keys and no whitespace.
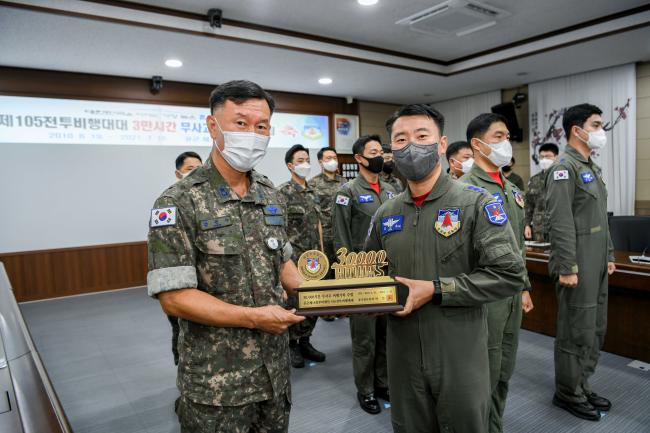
{"x":460,"y":158}
{"x":488,"y":135}
{"x":387,"y":171}
{"x":512,"y":176}
{"x":582,"y":256}
{"x":536,"y":218}
{"x":355,"y":204}
{"x":325,"y":186}
{"x":218,"y":259}
{"x":451,"y":245}
{"x":304,"y":231}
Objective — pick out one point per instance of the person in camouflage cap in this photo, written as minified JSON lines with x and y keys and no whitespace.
{"x":536,"y":217}
{"x":305,"y":233}
{"x":219,"y":258}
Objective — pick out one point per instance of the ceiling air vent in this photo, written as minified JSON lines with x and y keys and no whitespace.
{"x":454,"y":17}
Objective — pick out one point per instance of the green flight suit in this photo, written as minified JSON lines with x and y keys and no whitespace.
{"x":303,"y":216}
{"x":354,"y":205}
{"x":576,"y":202}
{"x":504,"y":316}
{"x":394,"y":181}
{"x":438,"y":366}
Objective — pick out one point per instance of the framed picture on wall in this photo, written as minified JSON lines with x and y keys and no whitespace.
{"x":346,"y":131}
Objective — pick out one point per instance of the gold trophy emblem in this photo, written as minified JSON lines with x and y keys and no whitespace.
{"x":360,"y":285}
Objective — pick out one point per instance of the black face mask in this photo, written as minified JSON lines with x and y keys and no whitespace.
{"x":376,"y":164}
{"x":389,"y":166}
{"x":507,"y":169}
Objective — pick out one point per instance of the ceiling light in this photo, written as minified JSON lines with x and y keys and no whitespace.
{"x":173,"y":63}
{"x":325,"y":81}
{"x":367,"y":2}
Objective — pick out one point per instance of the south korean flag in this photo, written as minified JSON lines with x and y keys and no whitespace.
{"x":561,"y":175}
{"x":162,"y":217}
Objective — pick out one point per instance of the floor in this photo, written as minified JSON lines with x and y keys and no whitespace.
{"x":109,"y":358}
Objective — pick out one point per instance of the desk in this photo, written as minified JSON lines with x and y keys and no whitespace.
{"x":628,"y":318}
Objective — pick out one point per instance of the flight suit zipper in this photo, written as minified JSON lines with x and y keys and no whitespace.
{"x":417,"y":216}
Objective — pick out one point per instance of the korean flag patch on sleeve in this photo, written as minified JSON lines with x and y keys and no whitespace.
{"x":164,"y":216}
{"x":561,"y":175}
{"x":342,"y":200}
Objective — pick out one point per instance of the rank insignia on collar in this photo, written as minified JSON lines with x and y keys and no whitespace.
{"x":448,"y":221}
{"x":495,"y":213}
{"x":365,"y":198}
{"x":224,"y":191}
{"x":519,"y":198}
{"x":393,"y":223}
{"x":587,"y":177}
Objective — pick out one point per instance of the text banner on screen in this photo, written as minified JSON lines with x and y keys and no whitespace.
{"x":71,"y":121}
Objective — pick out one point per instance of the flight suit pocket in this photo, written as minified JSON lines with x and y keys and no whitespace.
{"x":582,"y":323}
{"x":451,"y":247}
{"x":588,"y":189}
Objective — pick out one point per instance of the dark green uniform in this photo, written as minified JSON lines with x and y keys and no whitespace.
{"x":354,"y":205}
{"x":395,"y":182}
{"x":516,"y":179}
{"x":203,"y":235}
{"x":576,"y":200}
{"x":504,"y":316}
{"x":536,"y":216}
{"x":326,"y":188}
{"x":437,"y":358}
{"x":303,"y":215}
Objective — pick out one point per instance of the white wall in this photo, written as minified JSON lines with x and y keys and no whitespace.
{"x":59,"y":196}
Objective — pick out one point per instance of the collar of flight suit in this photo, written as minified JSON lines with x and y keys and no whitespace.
{"x":482,"y":174}
{"x":575,"y":154}
{"x":223,"y":191}
{"x":439,"y":189}
{"x":363,"y":183}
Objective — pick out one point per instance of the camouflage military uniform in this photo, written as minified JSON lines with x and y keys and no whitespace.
{"x":204,"y":236}
{"x":303,"y":214}
{"x":326,"y":189}
{"x":394,"y":182}
{"x":536,"y":216}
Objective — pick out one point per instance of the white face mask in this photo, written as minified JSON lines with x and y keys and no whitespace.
{"x":302,"y":170}
{"x":466,"y":165}
{"x":243,"y":150}
{"x":545,"y":163}
{"x":501,"y":153}
{"x":597,"y":139}
{"x":332,"y":165}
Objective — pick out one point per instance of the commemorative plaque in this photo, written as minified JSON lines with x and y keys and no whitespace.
{"x":359,"y":284}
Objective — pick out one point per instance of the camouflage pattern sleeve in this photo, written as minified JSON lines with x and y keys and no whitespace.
{"x":499,"y":272}
{"x":171,"y":252}
{"x":531,"y":200}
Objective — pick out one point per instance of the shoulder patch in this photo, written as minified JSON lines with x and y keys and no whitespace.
{"x":495,"y":213}
{"x":365,"y":198}
{"x":475,"y":188}
{"x":393,"y":223}
{"x":587,"y":177}
{"x":161,"y":217}
{"x":342,"y":200}
{"x":561,"y":175}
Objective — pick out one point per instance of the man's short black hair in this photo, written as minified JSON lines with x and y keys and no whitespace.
{"x":549,"y":147}
{"x":360,"y":145}
{"x":288,"y":157}
{"x":386,"y":148}
{"x":322,"y":151}
{"x":239,"y":91}
{"x":180,"y":160}
{"x":481,"y":123}
{"x":455,"y":147}
{"x":577,"y":116}
{"x":416,"y":110}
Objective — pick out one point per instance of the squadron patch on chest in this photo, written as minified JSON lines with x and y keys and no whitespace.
{"x":448,"y":221}
{"x":587,"y":177}
{"x":497,"y":197}
{"x":391,"y":224}
{"x":365,"y":198}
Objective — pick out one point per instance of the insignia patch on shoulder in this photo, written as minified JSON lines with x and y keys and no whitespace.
{"x":448,"y":221}
{"x":561,"y":175}
{"x":587,"y":177}
{"x":519,"y":198}
{"x":496,"y":214}
{"x":475,"y":188}
{"x":161,"y":217}
{"x":393,"y":223}
{"x":497,"y":197}
{"x":365,"y":198}
{"x":342,"y":200}
{"x":391,"y":195}
{"x":273,"y":209}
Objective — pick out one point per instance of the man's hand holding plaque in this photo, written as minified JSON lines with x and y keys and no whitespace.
{"x":359,"y":286}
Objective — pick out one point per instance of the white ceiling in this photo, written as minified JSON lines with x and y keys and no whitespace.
{"x":44,"y":40}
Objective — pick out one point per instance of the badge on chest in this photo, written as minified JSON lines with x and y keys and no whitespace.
{"x":519,"y":198}
{"x":365,"y":198}
{"x":448,"y":221}
{"x":587,"y":177}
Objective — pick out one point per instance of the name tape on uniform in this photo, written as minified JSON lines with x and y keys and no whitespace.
{"x":342,"y":200}
{"x":561,"y":175}
{"x":393,"y":223}
{"x":164,"y":216}
{"x":365,"y":198}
